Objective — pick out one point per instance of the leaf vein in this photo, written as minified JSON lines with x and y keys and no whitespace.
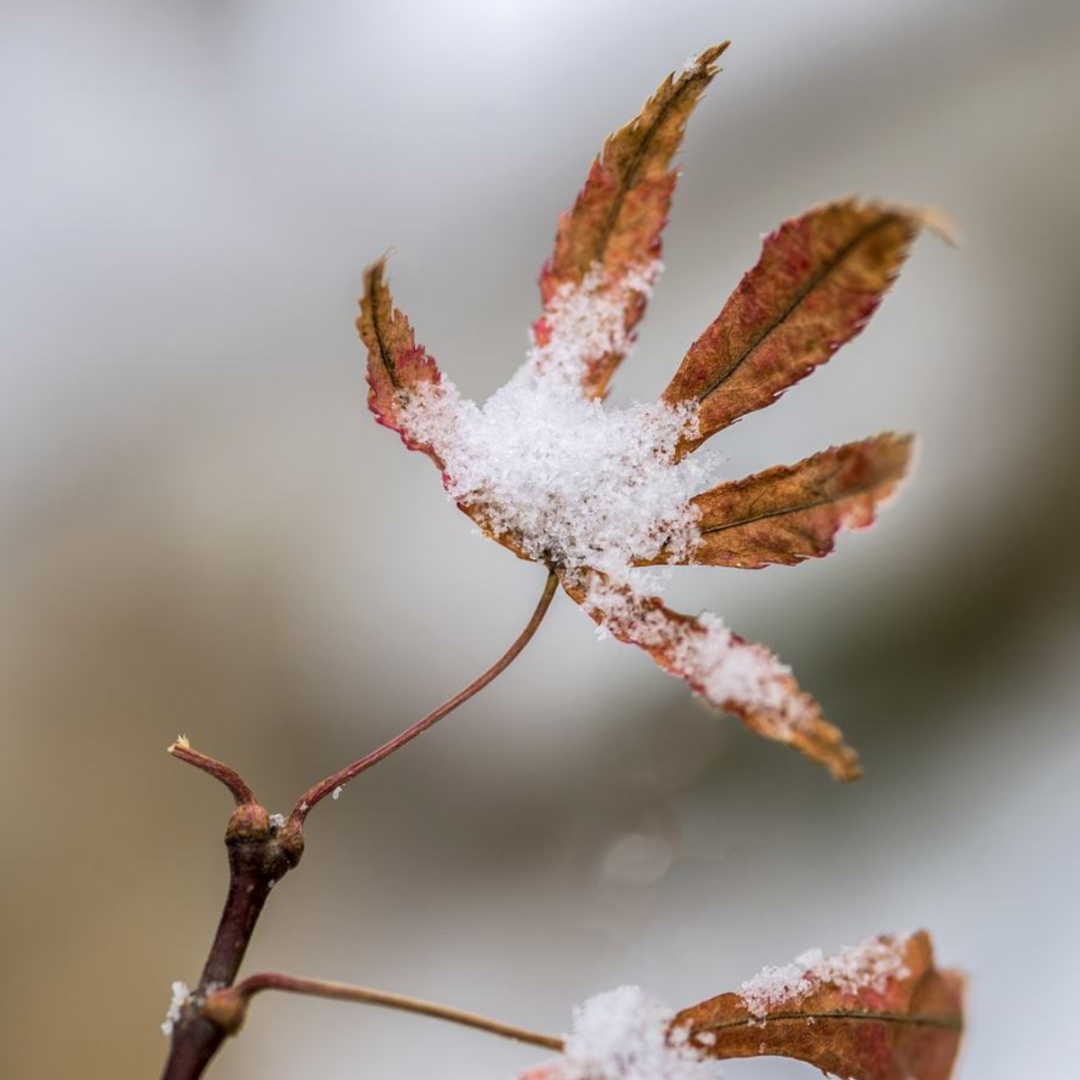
{"x":799,"y":509}
{"x":815,"y":280}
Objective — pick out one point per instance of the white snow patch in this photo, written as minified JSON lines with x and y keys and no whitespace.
{"x":573,"y":482}
{"x":868,"y":965}
{"x":722,"y":667}
{"x":180,"y":995}
{"x":336,"y":793}
{"x":625,"y":1035}
{"x":772,"y":987}
{"x":277,"y":821}
{"x":587,"y":321}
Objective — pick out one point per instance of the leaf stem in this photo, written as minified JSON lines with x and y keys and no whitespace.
{"x":316,"y":794}
{"x":229,"y":1007}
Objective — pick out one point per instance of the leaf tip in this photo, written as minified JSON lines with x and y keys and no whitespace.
{"x":700,"y":66}
{"x":847,"y":768}
{"x":937,"y":222}
{"x":373,"y":273}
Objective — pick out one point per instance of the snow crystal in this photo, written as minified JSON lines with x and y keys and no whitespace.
{"x":869,"y":965}
{"x":180,"y":994}
{"x":573,"y":482}
{"x":726,"y":667}
{"x":625,"y":1035}
{"x":772,"y":987}
{"x":691,"y":65}
{"x":587,"y":321}
{"x":336,"y":793}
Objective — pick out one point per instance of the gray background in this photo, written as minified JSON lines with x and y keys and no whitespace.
{"x":203,"y":530}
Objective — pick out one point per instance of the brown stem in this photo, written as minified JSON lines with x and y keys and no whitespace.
{"x":228,"y":1008}
{"x":259,"y":856}
{"x":261,"y":853}
{"x":316,"y":794}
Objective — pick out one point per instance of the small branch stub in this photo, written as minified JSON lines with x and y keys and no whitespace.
{"x":259,"y":857}
{"x":236,"y":784}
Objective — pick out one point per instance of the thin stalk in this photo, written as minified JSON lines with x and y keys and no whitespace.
{"x":316,"y":794}
{"x":229,"y":1007}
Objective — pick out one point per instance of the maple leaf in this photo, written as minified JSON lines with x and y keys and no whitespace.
{"x":879,"y":1010}
{"x":600,"y":495}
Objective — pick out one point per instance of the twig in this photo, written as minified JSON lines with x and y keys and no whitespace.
{"x":259,"y":856}
{"x":228,"y":1008}
{"x":261,"y":853}
{"x":316,"y":794}
{"x":183,"y":750}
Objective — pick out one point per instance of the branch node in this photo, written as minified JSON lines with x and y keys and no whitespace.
{"x":249,"y":821}
{"x":227,"y":1009}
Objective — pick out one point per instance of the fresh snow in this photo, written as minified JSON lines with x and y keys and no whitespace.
{"x":180,"y":994}
{"x":574,"y":482}
{"x":626,"y":1035}
{"x":720,"y":666}
{"x":869,"y":965}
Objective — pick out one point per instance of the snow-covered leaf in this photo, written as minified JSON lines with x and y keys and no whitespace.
{"x":600,"y":494}
{"x":879,"y":1010}
{"x":611,"y":235}
{"x":732,"y":674}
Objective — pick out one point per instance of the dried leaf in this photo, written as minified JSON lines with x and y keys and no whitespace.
{"x":396,"y":365}
{"x":906,"y":1026}
{"x":730,"y":673}
{"x":614,"y":225}
{"x":792,"y":512}
{"x":818,"y":281}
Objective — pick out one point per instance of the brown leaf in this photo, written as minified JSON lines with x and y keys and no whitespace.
{"x":792,"y":512}
{"x":729,"y":672}
{"x":855,"y":1025}
{"x":818,"y":281}
{"x":396,"y":365}
{"x":614,"y":225}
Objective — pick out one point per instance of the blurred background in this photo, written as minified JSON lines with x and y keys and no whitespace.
{"x":203,"y":530}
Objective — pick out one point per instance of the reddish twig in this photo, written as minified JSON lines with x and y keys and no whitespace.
{"x":183,"y":750}
{"x":260,"y":854}
{"x":228,"y":1008}
{"x":316,"y":794}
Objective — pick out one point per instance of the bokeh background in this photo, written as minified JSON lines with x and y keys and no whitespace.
{"x":202,"y":529}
